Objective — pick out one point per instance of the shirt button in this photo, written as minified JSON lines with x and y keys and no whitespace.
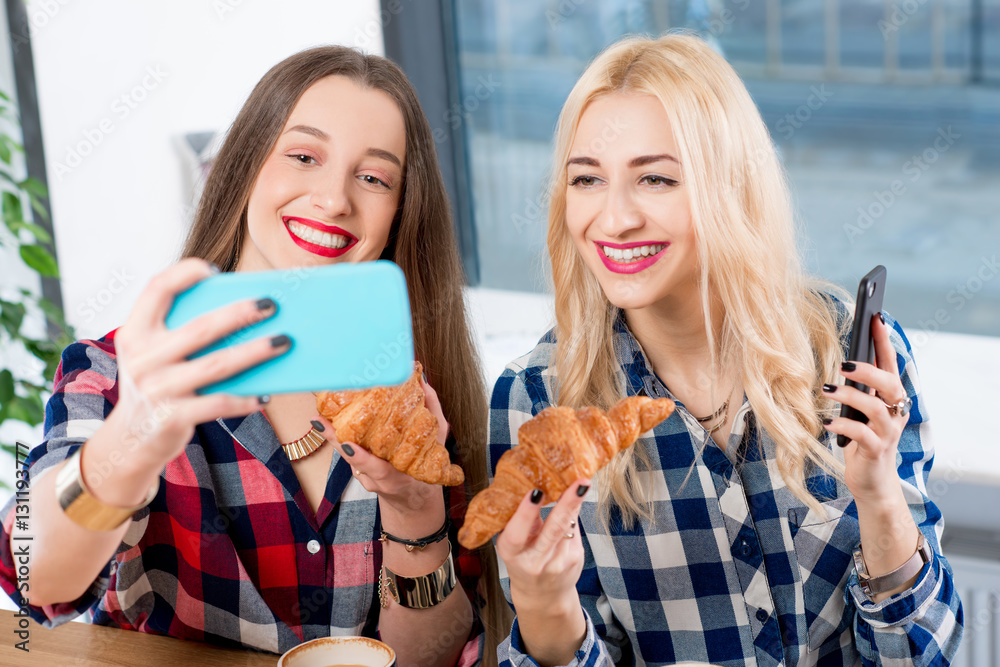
{"x":745,"y":549}
{"x":762,"y":615}
{"x":313,"y":546}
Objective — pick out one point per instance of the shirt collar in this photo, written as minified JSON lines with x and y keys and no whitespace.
{"x":639,"y":379}
{"x":254,"y":432}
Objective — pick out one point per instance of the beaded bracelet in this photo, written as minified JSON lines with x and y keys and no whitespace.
{"x":420,"y":543}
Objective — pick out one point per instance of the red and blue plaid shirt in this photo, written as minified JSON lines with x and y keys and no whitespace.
{"x":230,"y":551}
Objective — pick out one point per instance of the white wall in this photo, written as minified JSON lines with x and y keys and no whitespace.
{"x":116,"y":177}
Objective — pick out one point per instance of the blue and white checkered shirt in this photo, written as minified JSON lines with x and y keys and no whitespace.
{"x":734,"y":569}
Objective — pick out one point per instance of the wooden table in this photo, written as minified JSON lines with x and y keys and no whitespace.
{"x":85,"y":645}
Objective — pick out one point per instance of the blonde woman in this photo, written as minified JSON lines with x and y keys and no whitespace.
{"x":728,"y":533}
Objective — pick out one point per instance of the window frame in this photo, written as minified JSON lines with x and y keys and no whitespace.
{"x":421,"y":39}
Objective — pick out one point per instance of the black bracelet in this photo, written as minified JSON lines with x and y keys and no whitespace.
{"x":423,"y":541}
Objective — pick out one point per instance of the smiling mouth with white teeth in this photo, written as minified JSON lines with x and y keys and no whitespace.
{"x":314,"y":236}
{"x":630,"y":255}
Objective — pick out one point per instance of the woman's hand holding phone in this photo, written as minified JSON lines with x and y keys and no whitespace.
{"x":870,"y":456}
{"x":889,"y":534}
{"x":157,"y":408}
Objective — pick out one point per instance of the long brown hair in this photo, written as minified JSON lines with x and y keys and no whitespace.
{"x":421,"y":242}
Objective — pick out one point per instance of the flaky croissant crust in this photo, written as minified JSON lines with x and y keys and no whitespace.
{"x":555,"y":448}
{"x":393,"y":424}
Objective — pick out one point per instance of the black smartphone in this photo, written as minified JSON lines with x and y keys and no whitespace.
{"x":871,"y":291}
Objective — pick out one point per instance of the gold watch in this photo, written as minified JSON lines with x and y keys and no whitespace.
{"x":80,"y":505}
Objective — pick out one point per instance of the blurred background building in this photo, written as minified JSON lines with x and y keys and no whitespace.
{"x":886,"y":115}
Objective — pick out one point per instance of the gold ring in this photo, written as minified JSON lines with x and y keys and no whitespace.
{"x":569,"y":536}
{"x":572,"y":524}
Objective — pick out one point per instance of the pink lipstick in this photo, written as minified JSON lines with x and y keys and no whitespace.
{"x":630,"y":267}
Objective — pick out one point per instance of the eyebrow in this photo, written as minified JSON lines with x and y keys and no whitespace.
{"x":323,"y":136}
{"x":310,"y":130}
{"x":385,"y":155}
{"x":640,"y":161}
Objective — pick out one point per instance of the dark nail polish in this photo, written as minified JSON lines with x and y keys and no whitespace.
{"x":318,"y":425}
{"x":827,"y":421}
{"x":266,"y":304}
{"x":829,"y":388}
{"x":881,"y":317}
{"x":581,"y":490}
{"x":281,"y":341}
{"x":848,"y":366}
{"x":347,"y":449}
{"x":264,"y":400}
{"x":536,"y":496}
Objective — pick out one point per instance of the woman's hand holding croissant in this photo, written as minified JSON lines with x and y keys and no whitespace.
{"x":544,"y":560}
{"x":412,"y":502}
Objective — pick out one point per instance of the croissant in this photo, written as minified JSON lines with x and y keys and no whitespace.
{"x":393,"y":424}
{"x":557,"y":447}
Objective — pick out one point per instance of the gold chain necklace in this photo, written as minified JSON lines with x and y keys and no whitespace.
{"x":722,"y":415}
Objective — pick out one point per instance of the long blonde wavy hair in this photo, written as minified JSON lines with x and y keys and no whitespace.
{"x":778,"y":329}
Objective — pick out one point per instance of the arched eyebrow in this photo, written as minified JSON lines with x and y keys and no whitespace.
{"x":643,"y":160}
{"x":640,"y":161}
{"x":310,"y":130}
{"x":323,"y":136}
{"x":385,"y":155}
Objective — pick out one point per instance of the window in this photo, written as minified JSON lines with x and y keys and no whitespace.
{"x":887,"y":119}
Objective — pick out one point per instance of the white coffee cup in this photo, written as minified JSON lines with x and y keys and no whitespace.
{"x":339,"y":651}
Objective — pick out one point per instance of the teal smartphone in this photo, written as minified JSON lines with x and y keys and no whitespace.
{"x":349,"y":323}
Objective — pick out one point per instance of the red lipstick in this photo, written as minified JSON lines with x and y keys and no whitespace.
{"x":320,"y":250}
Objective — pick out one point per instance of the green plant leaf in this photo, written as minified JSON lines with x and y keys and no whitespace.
{"x":35,"y":407}
{"x":6,"y":386}
{"x":18,"y":409}
{"x":55,"y":313}
{"x":38,"y":207}
{"x":4,"y":151}
{"x":40,"y":260}
{"x":48,"y":352}
{"x":35,"y":387}
{"x":11,"y":316}
{"x":40,"y":233}
{"x":28,"y":409}
{"x":12,"y":209}
{"x":33,"y":187}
